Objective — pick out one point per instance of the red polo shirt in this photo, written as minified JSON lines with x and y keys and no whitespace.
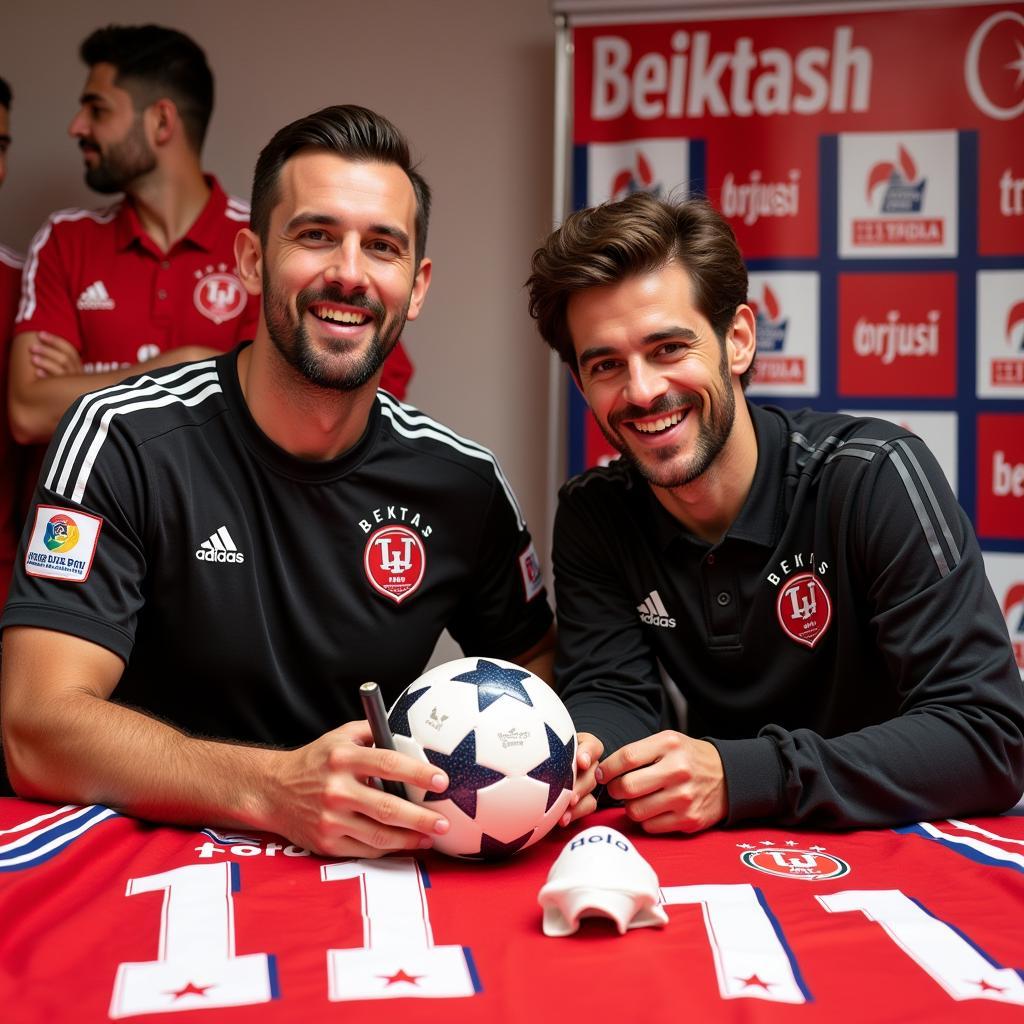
{"x":11,"y":455}
{"x":96,"y":279}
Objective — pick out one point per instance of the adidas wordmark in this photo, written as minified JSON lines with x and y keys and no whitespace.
{"x":219,"y":548}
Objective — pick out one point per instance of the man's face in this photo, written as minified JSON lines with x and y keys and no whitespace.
{"x":111,"y":134}
{"x":338,"y":267}
{"x":5,"y":140}
{"x":655,"y":375}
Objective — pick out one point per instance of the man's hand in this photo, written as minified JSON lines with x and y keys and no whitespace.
{"x":54,"y":357}
{"x":324,"y":800}
{"x":588,"y":752}
{"x":669,"y":782}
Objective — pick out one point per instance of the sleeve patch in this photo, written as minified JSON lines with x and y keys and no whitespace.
{"x":533,"y":577}
{"x":63,"y":544}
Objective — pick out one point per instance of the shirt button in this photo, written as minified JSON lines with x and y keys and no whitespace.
{"x":711,"y":559}
{"x":162,"y":294}
{"x":724,"y":598}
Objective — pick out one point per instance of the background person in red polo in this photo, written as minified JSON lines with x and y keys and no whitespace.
{"x":150,"y":279}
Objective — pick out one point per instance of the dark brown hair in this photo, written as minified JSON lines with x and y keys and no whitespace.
{"x":606,"y":244}
{"x":356,"y":133}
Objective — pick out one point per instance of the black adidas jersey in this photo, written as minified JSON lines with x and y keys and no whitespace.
{"x":841,"y":644}
{"x":251,"y":592}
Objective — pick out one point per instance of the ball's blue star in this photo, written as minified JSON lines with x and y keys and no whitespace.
{"x":398,"y":718}
{"x":493,"y":849}
{"x":465,"y":776}
{"x":492,"y":681}
{"x":556,"y":771}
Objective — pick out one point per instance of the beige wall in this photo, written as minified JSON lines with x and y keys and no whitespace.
{"x":471,"y":84}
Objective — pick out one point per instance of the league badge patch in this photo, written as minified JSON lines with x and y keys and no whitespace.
{"x":804,"y":609}
{"x":63,"y":544}
{"x":219,"y":295}
{"x":529,"y":568}
{"x":785,"y":861}
{"x":395,"y":561}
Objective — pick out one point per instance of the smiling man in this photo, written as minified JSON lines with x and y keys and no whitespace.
{"x":229,"y":548}
{"x":805,"y":582}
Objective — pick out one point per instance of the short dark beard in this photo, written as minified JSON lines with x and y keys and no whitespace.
{"x":124,"y":162}
{"x":711,"y":436}
{"x":291,"y":339}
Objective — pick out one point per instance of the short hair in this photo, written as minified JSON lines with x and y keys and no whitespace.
{"x":353,"y":132}
{"x":608,"y":243}
{"x":154,"y":63}
{"x":5,"y":94}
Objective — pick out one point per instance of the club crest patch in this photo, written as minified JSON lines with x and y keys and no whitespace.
{"x":813,"y":865}
{"x":395,"y":561}
{"x":529,"y":568}
{"x":218,"y":295}
{"x":63,"y":544}
{"x":804,"y":609}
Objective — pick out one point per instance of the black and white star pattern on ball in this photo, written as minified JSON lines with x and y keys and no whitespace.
{"x":556,"y":771}
{"x":492,"y":681}
{"x":465,"y":776}
{"x":493,"y":849}
{"x":399,"y":717}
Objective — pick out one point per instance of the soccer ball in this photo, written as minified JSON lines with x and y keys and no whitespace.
{"x":505,"y":741}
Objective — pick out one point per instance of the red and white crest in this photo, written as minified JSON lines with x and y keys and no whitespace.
{"x":219,"y":296}
{"x":395,"y":561}
{"x":812,"y":865}
{"x":804,"y":608}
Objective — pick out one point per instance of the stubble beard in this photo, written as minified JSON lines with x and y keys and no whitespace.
{"x":292,"y":341}
{"x":661,"y":467}
{"x":124,"y":162}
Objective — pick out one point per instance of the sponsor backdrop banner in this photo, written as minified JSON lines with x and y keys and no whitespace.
{"x":871,"y":163}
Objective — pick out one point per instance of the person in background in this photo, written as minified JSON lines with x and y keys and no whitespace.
{"x":150,"y":280}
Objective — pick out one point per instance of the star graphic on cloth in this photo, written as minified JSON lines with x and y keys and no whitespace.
{"x":492,"y":682}
{"x":398,"y":719}
{"x":189,"y":990}
{"x":817,"y":849}
{"x":791,"y":842}
{"x":745,"y":846}
{"x":767,"y":842}
{"x":755,"y":980}
{"x":394,"y":979}
{"x":556,"y":771}
{"x":986,"y":986}
{"x":493,"y":849}
{"x":465,"y":776}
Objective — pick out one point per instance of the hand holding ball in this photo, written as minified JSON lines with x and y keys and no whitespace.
{"x":505,"y":741}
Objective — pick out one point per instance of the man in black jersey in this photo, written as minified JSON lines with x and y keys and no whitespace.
{"x":221,"y":552}
{"x":806,"y":582}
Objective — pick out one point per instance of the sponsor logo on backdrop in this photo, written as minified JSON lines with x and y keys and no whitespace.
{"x":897,"y":334}
{"x":1001,"y":475}
{"x":693,"y":79}
{"x":753,"y":199}
{"x":785,"y":306}
{"x":994,"y":66}
{"x":1011,"y":194}
{"x":617,"y":169}
{"x":1006,"y":574}
{"x":1000,"y":334}
{"x":638,"y":178}
{"x":897,"y":194}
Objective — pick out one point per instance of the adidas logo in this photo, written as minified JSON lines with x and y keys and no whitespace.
{"x":95,"y":296}
{"x":219,"y":548}
{"x":654,"y":613}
